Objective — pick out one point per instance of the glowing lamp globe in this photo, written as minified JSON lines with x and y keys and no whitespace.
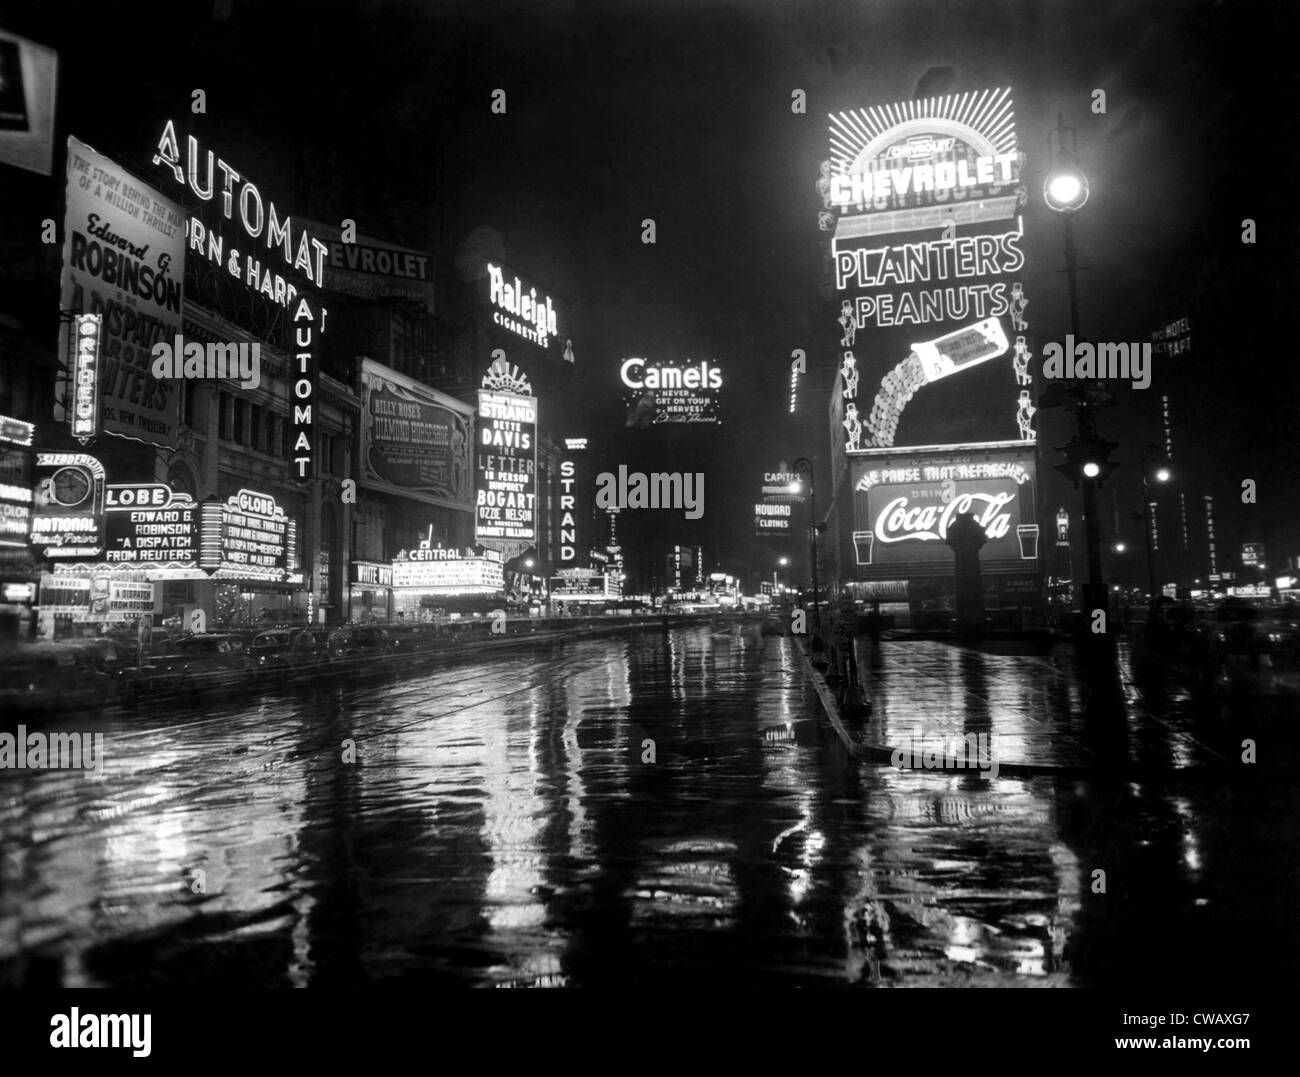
{"x":1065,"y":190}
{"x":1091,"y":469}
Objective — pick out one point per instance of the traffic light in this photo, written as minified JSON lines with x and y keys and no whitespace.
{"x":1088,"y":459}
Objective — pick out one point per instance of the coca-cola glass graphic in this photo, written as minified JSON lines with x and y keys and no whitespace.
{"x":1028,"y":535}
{"x":862,"y":544}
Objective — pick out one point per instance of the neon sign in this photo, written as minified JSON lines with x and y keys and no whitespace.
{"x":521,"y":311}
{"x":85,"y":375}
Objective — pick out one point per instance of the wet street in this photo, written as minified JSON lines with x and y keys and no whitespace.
{"x":643,"y":808}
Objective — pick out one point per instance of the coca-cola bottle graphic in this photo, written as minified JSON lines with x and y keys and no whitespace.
{"x":862,"y":542}
{"x":1028,"y":535}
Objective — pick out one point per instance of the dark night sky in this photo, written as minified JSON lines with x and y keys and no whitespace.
{"x":681,"y":112}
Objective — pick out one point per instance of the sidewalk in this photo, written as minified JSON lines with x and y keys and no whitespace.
{"x":1027,"y":699}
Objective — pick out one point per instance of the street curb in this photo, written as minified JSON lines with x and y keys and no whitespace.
{"x":832,"y":709}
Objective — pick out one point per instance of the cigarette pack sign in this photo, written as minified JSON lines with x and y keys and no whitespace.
{"x":248,"y":537}
{"x":904,"y":504}
{"x":924,"y":203}
{"x":150,"y":524}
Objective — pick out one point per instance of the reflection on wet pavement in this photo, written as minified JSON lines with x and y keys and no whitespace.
{"x":653,"y":808}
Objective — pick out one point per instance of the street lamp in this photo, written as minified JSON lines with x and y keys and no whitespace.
{"x":800,"y":466}
{"x":782,"y":562}
{"x":1065,"y":191}
{"x":1120,"y":547}
{"x":1150,"y":453}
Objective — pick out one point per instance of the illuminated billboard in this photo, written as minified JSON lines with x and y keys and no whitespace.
{"x":505,"y":457}
{"x":670,"y":392}
{"x":68,"y":505}
{"x":924,"y":201}
{"x":772,"y":520}
{"x":86,"y":330}
{"x":248,"y":260}
{"x":415,"y":441}
{"x":904,"y":503}
{"x":124,"y":260}
{"x":449,"y":571}
{"x":248,"y":537}
{"x":15,"y":483}
{"x":151,"y":525}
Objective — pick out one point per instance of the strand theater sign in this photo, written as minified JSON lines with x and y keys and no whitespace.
{"x":505,"y":458}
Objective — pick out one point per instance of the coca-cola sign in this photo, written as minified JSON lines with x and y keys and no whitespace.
{"x":905,"y":503}
{"x":901,"y":521}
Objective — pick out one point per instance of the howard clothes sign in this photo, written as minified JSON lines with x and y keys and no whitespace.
{"x":904,"y":504}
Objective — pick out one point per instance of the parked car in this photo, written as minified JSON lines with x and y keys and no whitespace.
{"x":282,"y":652}
{"x":359,"y":643}
{"x":419,"y":638}
{"x":194,"y":665}
{"x":44,"y":678}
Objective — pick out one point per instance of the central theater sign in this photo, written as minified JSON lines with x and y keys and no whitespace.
{"x":924,"y":202}
{"x":905,"y":502}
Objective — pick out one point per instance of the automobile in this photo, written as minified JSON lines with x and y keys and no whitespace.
{"x":359,"y":643}
{"x":198,"y":664}
{"x":42,"y":678}
{"x":286,"y":651}
{"x":418,"y":638}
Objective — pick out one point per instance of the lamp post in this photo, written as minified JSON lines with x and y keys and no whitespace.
{"x":1149,"y":454}
{"x":800,"y":466}
{"x":1065,"y":191}
{"x":782,"y":562}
